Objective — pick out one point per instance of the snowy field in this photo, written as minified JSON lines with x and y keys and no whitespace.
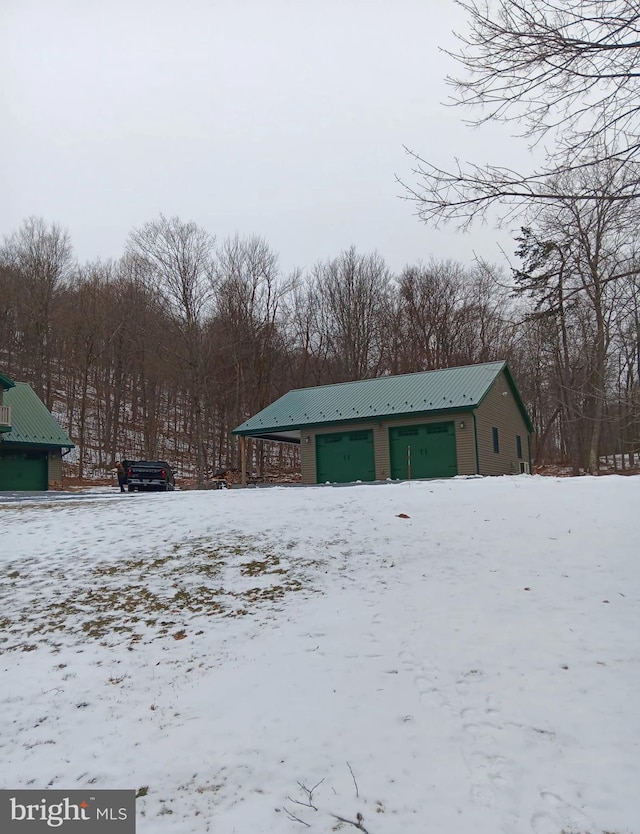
{"x":290,"y":659}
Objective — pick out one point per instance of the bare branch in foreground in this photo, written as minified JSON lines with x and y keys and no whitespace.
{"x":296,"y":819}
{"x":467,"y":192}
{"x":559,"y":69}
{"x":354,"y":780}
{"x":357,"y":824}
{"x":309,"y":793}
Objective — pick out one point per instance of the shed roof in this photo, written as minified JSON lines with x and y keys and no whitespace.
{"x":448,"y":389}
{"x":31,"y":421}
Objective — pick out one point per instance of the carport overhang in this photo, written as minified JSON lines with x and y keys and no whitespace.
{"x":279,"y":436}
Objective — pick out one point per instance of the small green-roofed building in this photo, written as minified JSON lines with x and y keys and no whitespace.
{"x":455,"y":421}
{"x":5,"y":411}
{"x":31,"y":441}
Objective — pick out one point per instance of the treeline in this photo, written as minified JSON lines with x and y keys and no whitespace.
{"x":164,"y":351}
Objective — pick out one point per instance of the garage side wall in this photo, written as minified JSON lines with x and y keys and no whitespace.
{"x":465,"y":443}
{"x":500,"y":412}
{"x":55,"y":470}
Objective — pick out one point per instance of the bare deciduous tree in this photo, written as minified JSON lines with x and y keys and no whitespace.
{"x":352,"y":297}
{"x":177,"y":259}
{"x":86,"y":334}
{"x":431,"y":301}
{"x":452,"y":315}
{"x":42,"y":257}
{"x":11,"y":320}
{"x":249,"y":295}
{"x":560,"y":70}
{"x":575,"y":265}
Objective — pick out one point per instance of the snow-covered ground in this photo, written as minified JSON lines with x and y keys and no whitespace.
{"x":287,"y":659}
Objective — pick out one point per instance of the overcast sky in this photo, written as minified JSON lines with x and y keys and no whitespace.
{"x":280,"y":118}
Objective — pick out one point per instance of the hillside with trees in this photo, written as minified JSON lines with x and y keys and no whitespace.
{"x":161,"y":353}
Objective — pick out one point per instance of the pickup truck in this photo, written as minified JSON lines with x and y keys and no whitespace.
{"x":148,"y":475}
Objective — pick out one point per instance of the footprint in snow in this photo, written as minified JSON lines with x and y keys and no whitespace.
{"x":425,"y":680}
{"x":491,"y":777}
{"x":559,"y":815}
{"x":484,"y":795}
{"x":430,"y":695}
{"x":408,"y":660}
{"x":543,"y":823}
{"x":482,"y":732}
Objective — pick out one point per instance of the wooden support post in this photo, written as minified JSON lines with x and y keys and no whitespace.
{"x":243,"y":460}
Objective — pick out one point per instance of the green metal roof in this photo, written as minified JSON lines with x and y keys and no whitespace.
{"x":448,"y":389}
{"x":31,"y":421}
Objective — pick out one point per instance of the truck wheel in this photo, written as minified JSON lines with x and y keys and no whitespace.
{"x":130,"y":489}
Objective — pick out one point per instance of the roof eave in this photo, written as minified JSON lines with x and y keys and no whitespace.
{"x":370,"y":418}
{"x":45,"y":444}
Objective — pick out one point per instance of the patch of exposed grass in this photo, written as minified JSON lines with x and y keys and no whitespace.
{"x":138,"y":598}
{"x":267,"y":565}
{"x":272,"y":593}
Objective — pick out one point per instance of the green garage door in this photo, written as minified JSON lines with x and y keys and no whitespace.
{"x":345,"y":457}
{"x":432,"y":447}
{"x":23,"y":471}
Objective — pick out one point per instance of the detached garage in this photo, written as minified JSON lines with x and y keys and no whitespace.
{"x":31,"y":441}
{"x":436,"y":424}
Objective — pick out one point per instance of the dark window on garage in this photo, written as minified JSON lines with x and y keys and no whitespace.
{"x":496,"y":441}
{"x":519,"y":446}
